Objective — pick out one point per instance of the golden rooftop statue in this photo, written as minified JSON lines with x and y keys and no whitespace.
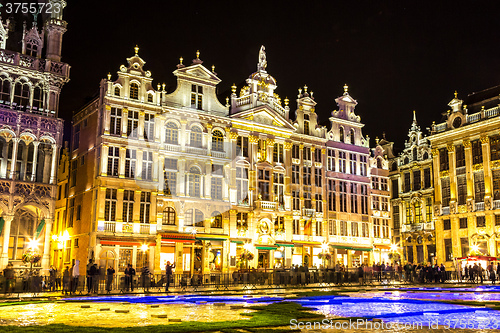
{"x":262,"y":59}
{"x":136,"y":48}
{"x":346,"y":88}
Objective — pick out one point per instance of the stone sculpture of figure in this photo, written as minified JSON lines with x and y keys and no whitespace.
{"x":262,"y":59}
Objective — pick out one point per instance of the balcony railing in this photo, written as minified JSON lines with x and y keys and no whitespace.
{"x":196,"y":151}
{"x":308,"y":211}
{"x":479,"y":206}
{"x":26,"y":61}
{"x":110,"y":227}
{"x":496,"y":204}
{"x":266,"y":205}
{"x":218,"y":154}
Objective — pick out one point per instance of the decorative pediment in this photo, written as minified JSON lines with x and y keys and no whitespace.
{"x":197,"y":72}
{"x":264,"y":115}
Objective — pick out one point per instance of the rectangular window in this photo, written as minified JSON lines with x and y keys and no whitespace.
{"x":197,"y":97}
{"x":462,"y":189}
{"x":110,"y":205}
{"x":319,"y":228}
{"x":464,"y":245}
{"x":170,"y":174}
{"x":295,"y":200}
{"x":149,"y":127}
{"x":354,"y":229}
{"x":443,"y":159}
{"x":407,"y":182}
{"x":279,"y":224}
{"x":317,"y":155}
{"x":76,"y":136}
{"x":342,"y":162}
{"x":296,"y":152}
{"x":480,"y":221}
{"x":496,"y":184}
{"x":416,"y":180}
{"x":279,"y":187}
{"x":242,"y":146}
{"x":115,"y":122}
{"x":354,"y":198}
{"x":343,"y":228}
{"x":375,"y":203}
{"x":145,"y":207}
{"x":463,"y":223}
{"x":448,"y":250}
{"x":447,"y":224}
{"x":364,"y":229}
{"x":385,"y":229}
{"x":306,"y":127}
{"x":125,"y":259}
{"x":385,"y":205}
{"x":497,"y":219}
{"x":242,"y":221}
{"x":460,"y":156}
{"x":319,"y":203}
{"x":317,"y":177}
{"x":147,"y":165}
{"x":78,"y":212}
{"x":130,"y":161}
{"x":343,"y":196}
{"x":128,"y":206}
{"x":364,"y":199}
{"x":495,"y":147}
{"x":296,"y":227}
{"x":352,"y":164}
{"x":71,"y":212}
{"x":363,"y":165}
{"x":427,"y":178}
{"x":216,"y":188}
{"x":307,"y":200}
{"x":295,"y":174}
{"x":331,"y":160}
{"x":479,"y":186}
{"x":376,"y":228}
{"x":242,"y":185}
{"x":428,"y":209}
{"x":395,"y":216}
{"x":409,"y":215}
{"x":477,"y":152}
{"x":132,"y":124}
{"x":278,"y":153}
{"x":113,"y":161}
{"x":74,"y":170}
{"x":383,"y":184}
{"x":445,"y":192}
{"x":332,"y":227}
{"x":306,"y":153}
{"x":395,"y":188}
{"x":306,"y":173}
{"x":375,"y":183}
{"x":263,"y":181}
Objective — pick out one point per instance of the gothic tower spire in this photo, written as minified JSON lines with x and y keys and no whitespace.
{"x":55,"y":27}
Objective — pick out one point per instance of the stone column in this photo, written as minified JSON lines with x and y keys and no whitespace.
{"x":104,"y":160}
{"x":209,"y":139}
{"x":53,"y":169}
{"x":181,"y":178}
{"x":182,"y":135}
{"x":140,"y":127}
{"x":469,"y":173}
{"x":453,"y":182}
{"x":121,"y":164}
{"x":124,"y":122}
{"x":4,"y":258}
{"x":106,"y":118}
{"x":46,"y":244}
{"x":35,"y":160}
{"x":15,"y":143}
{"x":161,"y":175}
{"x":488,"y":181}
{"x":206,"y":181}
{"x":46,"y":165}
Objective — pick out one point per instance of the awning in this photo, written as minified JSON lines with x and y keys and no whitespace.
{"x":2,"y":221}
{"x":266,"y":247}
{"x":383,"y":247}
{"x":307,"y":243}
{"x":210,"y":237}
{"x":284,"y":244}
{"x":478,"y":258}
{"x":353,"y":248}
{"x":237,"y":241}
{"x":178,"y":238}
{"x":124,"y":243}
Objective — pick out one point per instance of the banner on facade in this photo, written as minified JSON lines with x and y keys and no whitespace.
{"x":2,"y":222}
{"x":40,"y":228}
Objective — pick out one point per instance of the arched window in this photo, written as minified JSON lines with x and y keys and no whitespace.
{"x":169,"y":216}
{"x":406,"y":160}
{"x":32,"y":46}
{"x":216,"y":221}
{"x":217,"y":141}
{"x":22,"y":94}
{"x":426,"y":156}
{"x":22,"y":230}
{"x":134,"y":91}
{"x":117,"y":91}
{"x":195,"y":137}
{"x":4,"y":90}
{"x":194,"y":217}
{"x":150,"y":98}
{"x":352,"y":136}
{"x":379,"y":163}
{"x":37,"y":98}
{"x":194,"y":182}
{"x":171,"y":133}
{"x":415,"y":154}
{"x":107,"y":259}
{"x":341,"y":134}
{"x":394,"y":166}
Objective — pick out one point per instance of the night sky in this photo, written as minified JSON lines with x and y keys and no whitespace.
{"x":395,"y":56}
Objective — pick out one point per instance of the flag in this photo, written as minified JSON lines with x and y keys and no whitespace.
{"x":2,"y":222}
{"x":40,"y":228}
{"x":307,"y":227}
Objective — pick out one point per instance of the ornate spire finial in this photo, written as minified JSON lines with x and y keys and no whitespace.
{"x":136,"y":48}
{"x":300,"y":93}
{"x":197,"y":54}
{"x":213,"y":68}
{"x":286,"y":101}
{"x":312,"y":93}
{"x":414,"y":117}
{"x":305,"y":88}
{"x":181,"y":59}
{"x":109,"y":76}
{"x":158,"y":87}
{"x":163,"y":86}
{"x":456,"y":94}
{"x":227,"y":101}
{"x":346,"y":89}
{"x":233,"y":88}
{"x":262,"y":59}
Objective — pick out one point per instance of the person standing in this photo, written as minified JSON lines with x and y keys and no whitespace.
{"x":168,"y":273}
{"x":66,"y":278}
{"x":52,"y":278}
{"x":129,"y":277}
{"x":75,"y":275}
{"x":89,"y":276}
{"x":109,"y":278}
{"x":145,"y":277}
{"x":8,"y":273}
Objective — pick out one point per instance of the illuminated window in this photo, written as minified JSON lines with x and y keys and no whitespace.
{"x":196,"y":97}
{"x":195,"y":137}
{"x":171,"y":133}
{"x":216,"y":220}
{"x":134,"y":91}
{"x":217,"y":141}
{"x":110,"y":205}
{"x":128,"y":206}
{"x":194,"y":182}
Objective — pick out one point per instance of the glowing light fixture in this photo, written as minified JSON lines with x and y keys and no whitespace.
{"x":394,"y":247}
{"x":33,"y":244}
{"x":247,"y":246}
{"x":144,"y":247}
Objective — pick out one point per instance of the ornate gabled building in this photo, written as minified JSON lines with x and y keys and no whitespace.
{"x":466,"y":172}
{"x":412,"y":198}
{"x":31,"y":133}
{"x":180,"y":177}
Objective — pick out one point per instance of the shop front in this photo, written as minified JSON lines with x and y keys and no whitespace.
{"x":211,"y":253}
{"x":306,"y":253}
{"x":351,"y":256}
{"x":381,"y":254}
{"x":177,"y":248}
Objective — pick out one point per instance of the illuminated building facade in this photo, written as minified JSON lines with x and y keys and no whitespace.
{"x":157,"y":176}
{"x":466,"y":172}
{"x":31,"y":78}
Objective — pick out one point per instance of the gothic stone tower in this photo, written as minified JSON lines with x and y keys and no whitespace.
{"x":31,"y":133}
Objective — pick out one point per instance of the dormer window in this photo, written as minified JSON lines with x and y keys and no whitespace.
{"x":352,"y":136}
{"x":117,"y":91}
{"x":150,"y":98}
{"x":134,"y":91}
{"x":196,"y":96}
{"x":306,"y":127}
{"x":341,"y":134}
{"x":32,"y":48}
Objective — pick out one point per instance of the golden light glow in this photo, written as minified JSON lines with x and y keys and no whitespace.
{"x":65,"y":236}
{"x":394,"y":247}
{"x":247,"y":246}
{"x":144,"y":247}
{"x":475,"y":248}
{"x":324,"y":247}
{"x":33,"y":244}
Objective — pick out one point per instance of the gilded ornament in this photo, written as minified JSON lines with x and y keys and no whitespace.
{"x":288,"y":145}
{"x":233,"y":135}
{"x":108,"y":107}
{"x":253,"y":139}
{"x":434,"y":152}
{"x":450,"y":147}
{"x":484,"y":139}
{"x":444,"y":173}
{"x":466,"y":143}
{"x":477,"y":167}
{"x":270,"y":141}
{"x":495,"y":164}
